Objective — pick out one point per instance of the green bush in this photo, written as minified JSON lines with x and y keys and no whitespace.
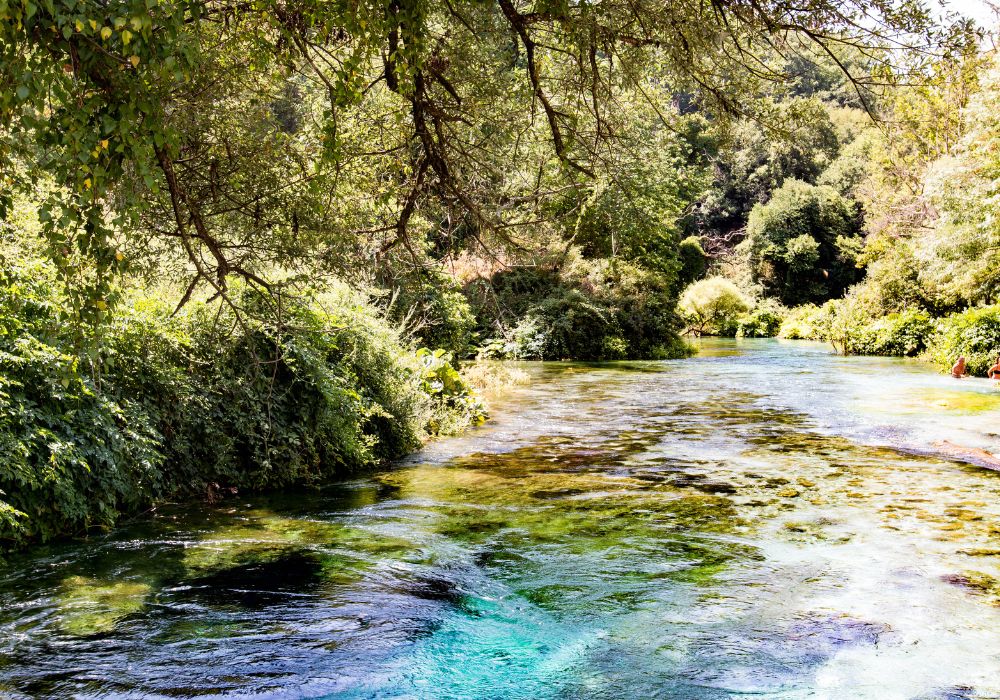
{"x":71,"y":457}
{"x":974,"y":333}
{"x":903,"y":334}
{"x":566,"y":325}
{"x":713,"y":306}
{"x":763,"y":321}
{"x":500,"y":301}
{"x":292,"y":395}
{"x":892,"y":276}
{"x":291,"y":391}
{"x":848,"y":324}
{"x":434,"y":310}
{"x":644,"y":311}
{"x":693,"y":259}
{"x":456,"y":404}
{"x":805,"y":322}
{"x":587,"y":310}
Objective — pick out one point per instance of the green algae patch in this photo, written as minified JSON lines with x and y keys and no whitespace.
{"x":713,"y":347}
{"x":89,"y":606}
{"x":938,"y":400}
{"x":343,"y":552}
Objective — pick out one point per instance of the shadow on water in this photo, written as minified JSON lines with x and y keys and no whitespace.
{"x":262,"y":583}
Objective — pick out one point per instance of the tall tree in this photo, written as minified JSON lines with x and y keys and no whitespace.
{"x":192,"y":125}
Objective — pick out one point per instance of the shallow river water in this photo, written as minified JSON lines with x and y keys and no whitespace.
{"x":765,"y":519}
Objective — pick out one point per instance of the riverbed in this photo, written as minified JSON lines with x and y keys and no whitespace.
{"x":763,"y":519}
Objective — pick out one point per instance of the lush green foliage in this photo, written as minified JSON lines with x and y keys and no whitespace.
{"x":204,"y":401}
{"x":592,"y":310}
{"x":754,"y":162}
{"x":763,"y":321}
{"x":806,"y":322}
{"x":636,"y":215}
{"x":974,"y":334}
{"x":217,"y":140}
{"x":456,"y":404}
{"x":902,"y":334}
{"x":803,"y":243}
{"x":853,"y":329}
{"x":243,"y":156}
{"x":431,"y":307}
{"x":70,"y":456}
{"x":927,"y":187}
{"x":713,"y":306}
{"x":693,"y":261}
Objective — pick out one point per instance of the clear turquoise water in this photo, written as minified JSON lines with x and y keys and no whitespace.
{"x":763,"y":520}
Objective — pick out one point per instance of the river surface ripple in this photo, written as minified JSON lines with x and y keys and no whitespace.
{"x":764,"y":519}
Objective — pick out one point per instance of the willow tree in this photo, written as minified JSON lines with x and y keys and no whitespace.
{"x":248,"y":135}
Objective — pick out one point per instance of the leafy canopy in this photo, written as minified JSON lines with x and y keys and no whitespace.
{"x":212,"y":139}
{"x":803,"y":243}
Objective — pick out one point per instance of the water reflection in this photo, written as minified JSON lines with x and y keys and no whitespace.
{"x":738,"y":523}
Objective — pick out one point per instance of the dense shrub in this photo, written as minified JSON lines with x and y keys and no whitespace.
{"x":70,"y":456}
{"x":763,"y":321}
{"x":693,"y":260}
{"x":892,"y":277}
{"x":713,"y":306}
{"x":974,"y":333}
{"x":903,"y":334}
{"x":643,"y":307}
{"x":293,"y":394}
{"x":433,"y":309}
{"x":849,"y":325}
{"x":805,"y":322}
{"x":586,"y":310}
{"x":289,"y":392}
{"x":566,"y":325}
{"x":848,"y":321}
{"x":505,"y":297}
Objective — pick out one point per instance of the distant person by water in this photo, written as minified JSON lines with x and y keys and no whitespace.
{"x":994,"y":371}
{"x":958,"y":369}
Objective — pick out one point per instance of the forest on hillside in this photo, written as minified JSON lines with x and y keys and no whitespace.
{"x":251,"y":244}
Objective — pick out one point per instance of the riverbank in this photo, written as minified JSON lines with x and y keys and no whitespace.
{"x":249,"y":393}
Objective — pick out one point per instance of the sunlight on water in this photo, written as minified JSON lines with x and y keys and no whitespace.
{"x":763,"y":519}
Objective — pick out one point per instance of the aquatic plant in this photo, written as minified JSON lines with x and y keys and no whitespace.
{"x":88,"y":606}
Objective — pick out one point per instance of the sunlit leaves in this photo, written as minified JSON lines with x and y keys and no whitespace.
{"x":411,"y":113}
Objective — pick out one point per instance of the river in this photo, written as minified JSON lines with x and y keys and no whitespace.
{"x":764,"y":519}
